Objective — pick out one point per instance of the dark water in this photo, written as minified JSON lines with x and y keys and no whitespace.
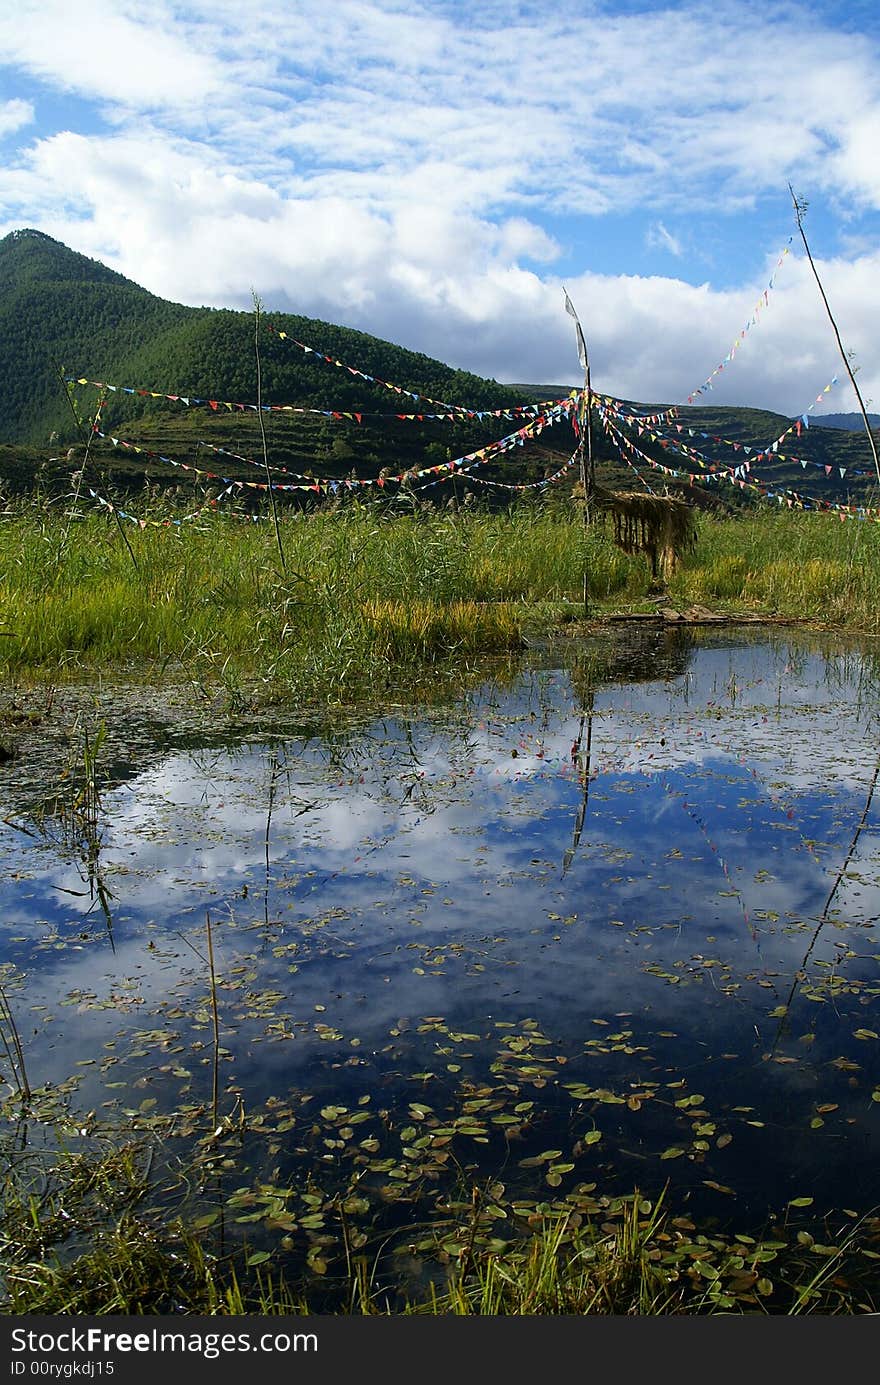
{"x":613,"y":914}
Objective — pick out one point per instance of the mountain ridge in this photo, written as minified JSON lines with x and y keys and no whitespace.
{"x":851,"y":423}
{"x":64,"y":314}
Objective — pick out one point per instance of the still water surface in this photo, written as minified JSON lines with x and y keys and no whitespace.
{"x":610,"y":918}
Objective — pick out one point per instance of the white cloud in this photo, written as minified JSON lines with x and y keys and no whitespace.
{"x":856,"y":165}
{"x":104,"y":51}
{"x":14,"y":115}
{"x":430,"y":172}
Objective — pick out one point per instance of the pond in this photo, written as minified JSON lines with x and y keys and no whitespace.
{"x":605,"y":921}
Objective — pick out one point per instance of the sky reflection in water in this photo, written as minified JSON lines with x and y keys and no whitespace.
{"x":645,"y":875}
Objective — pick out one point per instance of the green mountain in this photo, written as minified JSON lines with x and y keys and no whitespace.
{"x":59,"y":309}
{"x":62,"y":314}
{"x":65,"y":315}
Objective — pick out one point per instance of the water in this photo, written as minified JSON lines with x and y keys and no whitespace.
{"x":608,"y":920}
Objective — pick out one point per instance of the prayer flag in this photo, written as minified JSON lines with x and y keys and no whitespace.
{"x":582,"y":345}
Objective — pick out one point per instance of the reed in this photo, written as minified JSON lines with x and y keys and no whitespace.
{"x":362,"y":589}
{"x":10,"y":1039}
{"x":801,"y":565}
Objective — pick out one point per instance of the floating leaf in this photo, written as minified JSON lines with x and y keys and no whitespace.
{"x":537,"y":1159}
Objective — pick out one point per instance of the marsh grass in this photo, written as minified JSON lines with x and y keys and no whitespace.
{"x":10,"y":1041}
{"x":78,"y":1236}
{"x":803,"y":566}
{"x":364,"y":589}
{"x":359,"y":589}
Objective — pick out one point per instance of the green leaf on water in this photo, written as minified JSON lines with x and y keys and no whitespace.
{"x":547,"y":1157}
{"x":259,"y":1257}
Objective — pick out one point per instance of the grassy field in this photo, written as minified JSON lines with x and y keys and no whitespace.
{"x":352,"y":595}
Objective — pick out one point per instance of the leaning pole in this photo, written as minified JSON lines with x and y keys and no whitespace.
{"x":800,"y":208}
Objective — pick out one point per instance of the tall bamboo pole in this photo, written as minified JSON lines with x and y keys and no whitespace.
{"x":590,"y":473}
{"x":800,"y":208}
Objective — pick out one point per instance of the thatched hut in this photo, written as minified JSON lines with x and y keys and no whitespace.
{"x":660,"y":526}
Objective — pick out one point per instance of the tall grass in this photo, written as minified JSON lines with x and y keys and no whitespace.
{"x":801,"y":565}
{"x":362,"y":589}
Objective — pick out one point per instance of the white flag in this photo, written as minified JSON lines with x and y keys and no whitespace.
{"x":582,"y":345}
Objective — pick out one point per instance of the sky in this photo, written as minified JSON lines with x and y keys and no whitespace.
{"x":440,"y":173}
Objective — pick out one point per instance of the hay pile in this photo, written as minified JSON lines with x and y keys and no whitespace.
{"x":660,"y":526}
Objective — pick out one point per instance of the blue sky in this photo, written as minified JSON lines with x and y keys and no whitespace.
{"x":435,"y":173}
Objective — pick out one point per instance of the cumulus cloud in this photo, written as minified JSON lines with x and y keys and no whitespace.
{"x":432,"y":172}
{"x":14,"y":115}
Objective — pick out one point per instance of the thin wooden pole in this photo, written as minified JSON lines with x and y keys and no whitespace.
{"x":799,"y":208}
{"x":590,"y":477}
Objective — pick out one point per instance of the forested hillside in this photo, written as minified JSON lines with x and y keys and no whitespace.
{"x":60,"y":311}
{"x":63,"y":315}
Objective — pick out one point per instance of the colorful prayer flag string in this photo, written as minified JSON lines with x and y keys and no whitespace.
{"x":762,"y":303}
